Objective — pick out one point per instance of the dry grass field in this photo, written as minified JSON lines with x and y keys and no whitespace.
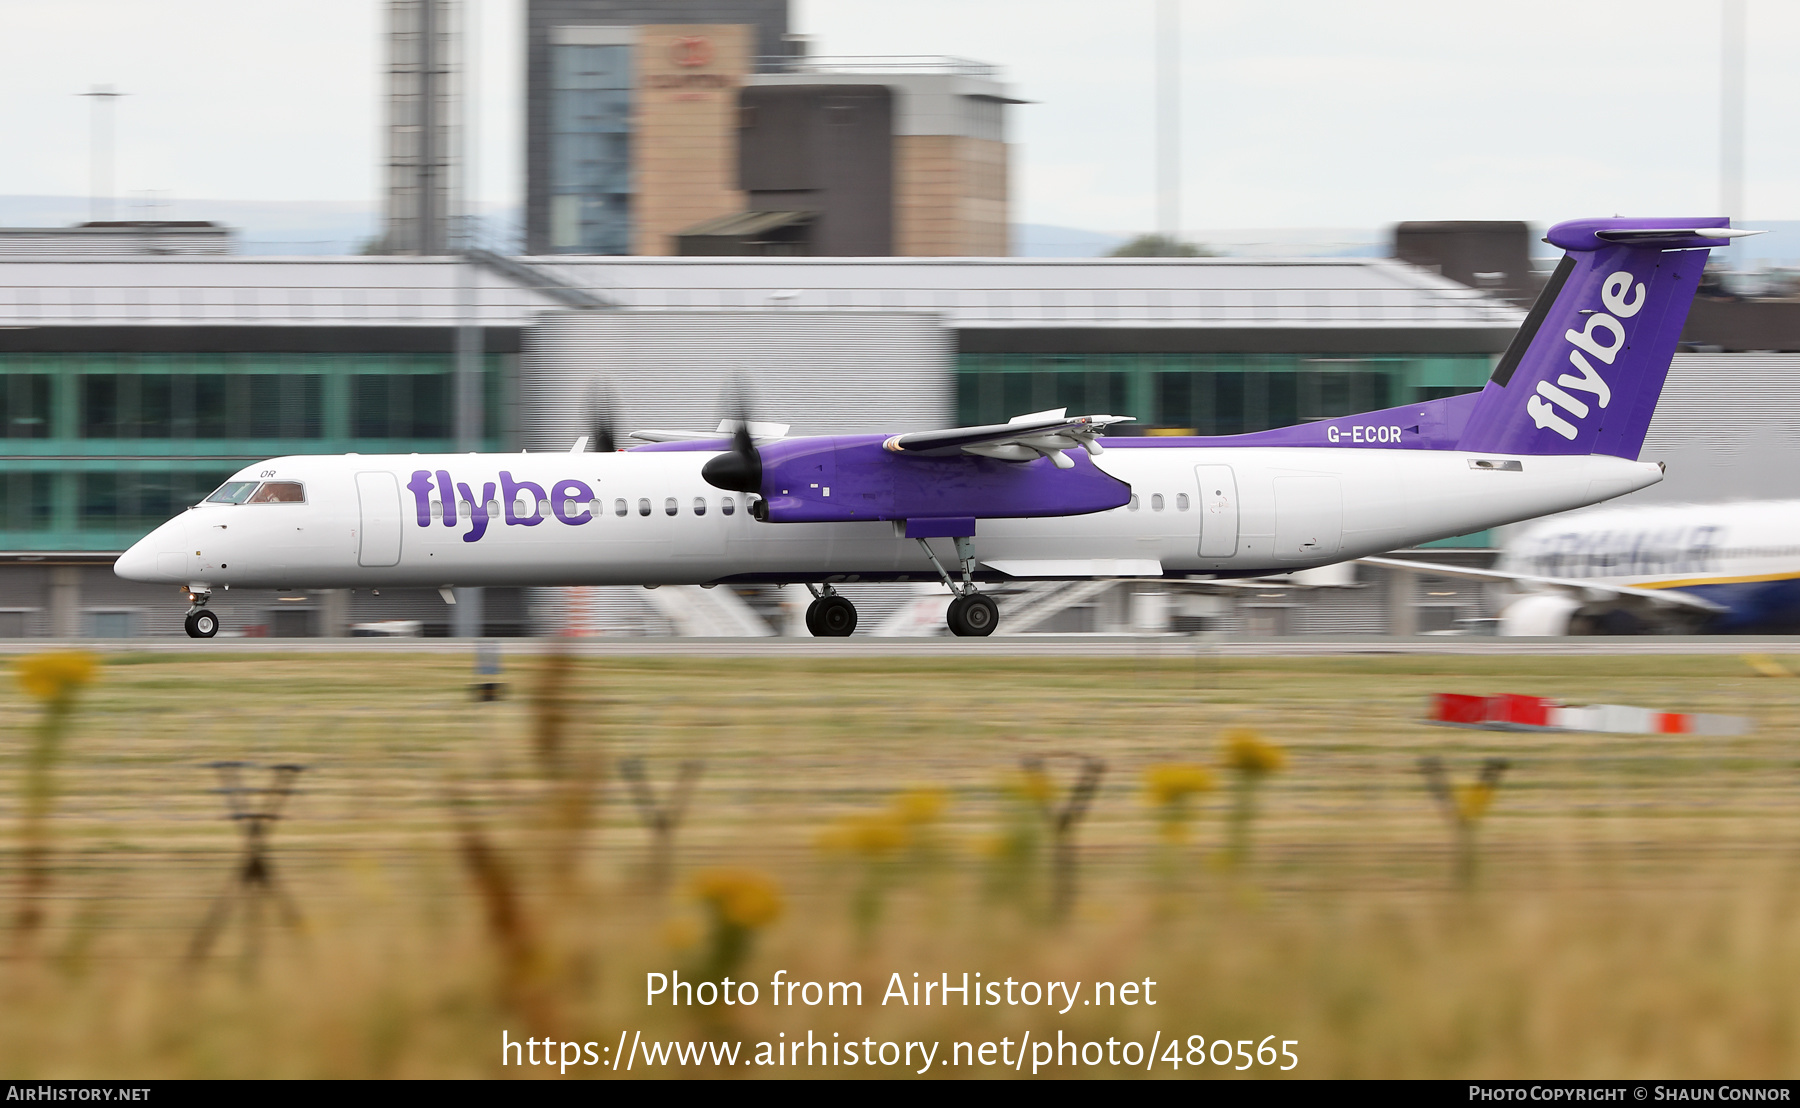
{"x":465,"y":869}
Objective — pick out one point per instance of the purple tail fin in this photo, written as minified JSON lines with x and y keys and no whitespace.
{"x":1583,"y":374}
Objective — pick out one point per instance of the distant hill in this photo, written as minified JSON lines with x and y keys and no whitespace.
{"x":1042,"y":240}
{"x":1039,"y":240}
{"x":263,"y":226}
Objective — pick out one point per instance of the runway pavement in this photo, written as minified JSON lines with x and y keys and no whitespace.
{"x":1000,"y":646}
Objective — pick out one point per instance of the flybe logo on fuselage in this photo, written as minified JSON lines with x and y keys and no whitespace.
{"x":569,"y":501}
{"x":1601,"y":338}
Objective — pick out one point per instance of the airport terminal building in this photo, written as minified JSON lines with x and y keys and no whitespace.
{"x":134,"y":384}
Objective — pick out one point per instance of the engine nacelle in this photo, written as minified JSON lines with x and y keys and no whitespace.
{"x":849,"y":478}
{"x":1539,"y":614}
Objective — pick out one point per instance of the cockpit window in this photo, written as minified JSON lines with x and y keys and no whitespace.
{"x":268,"y":492}
{"x":279,"y":492}
{"x":232,"y":492}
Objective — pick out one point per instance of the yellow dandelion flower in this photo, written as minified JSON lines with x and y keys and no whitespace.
{"x":1473,"y":801}
{"x":1248,"y":752}
{"x":55,"y":676}
{"x":1172,"y":782}
{"x":919,"y":806}
{"x":869,"y":836}
{"x":1034,"y":785}
{"x":740,"y":897}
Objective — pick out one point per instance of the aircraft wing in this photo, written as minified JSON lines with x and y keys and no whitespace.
{"x":1025,"y":439}
{"x":1588,"y":591}
{"x":726,"y":427}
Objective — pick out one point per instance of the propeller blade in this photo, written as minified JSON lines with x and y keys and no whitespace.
{"x":740,"y":469}
{"x":602,"y":437}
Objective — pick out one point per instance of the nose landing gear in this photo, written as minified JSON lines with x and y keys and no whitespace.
{"x":830,"y":615}
{"x":200,"y":623}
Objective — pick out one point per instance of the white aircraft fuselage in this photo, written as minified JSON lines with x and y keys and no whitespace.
{"x":648,"y":518}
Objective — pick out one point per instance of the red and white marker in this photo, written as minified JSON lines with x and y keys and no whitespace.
{"x":1511,"y":712}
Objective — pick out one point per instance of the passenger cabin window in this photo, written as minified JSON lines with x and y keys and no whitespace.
{"x":1181,"y":501}
{"x":619,"y":508}
{"x":643,"y":505}
{"x":232,"y":492}
{"x":699,"y":505}
{"x":727,"y":505}
{"x":1133,"y":505}
{"x":671,"y":506}
{"x":1156,"y":502}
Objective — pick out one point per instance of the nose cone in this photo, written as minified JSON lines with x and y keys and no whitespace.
{"x":137,"y":563}
{"x":159,"y":558}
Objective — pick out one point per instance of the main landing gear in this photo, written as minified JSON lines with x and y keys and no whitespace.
{"x":971,"y":614}
{"x":200,"y":623}
{"x":830,"y":615}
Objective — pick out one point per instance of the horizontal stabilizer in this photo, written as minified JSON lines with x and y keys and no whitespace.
{"x":1677,"y":236}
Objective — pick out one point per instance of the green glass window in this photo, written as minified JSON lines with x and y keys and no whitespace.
{"x":25,"y":405}
{"x":201,"y":406}
{"x":25,"y":501}
{"x":135,"y":501}
{"x":1207,"y":394}
{"x":402,"y":406}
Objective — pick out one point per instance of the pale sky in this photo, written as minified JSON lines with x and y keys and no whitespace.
{"x":1306,"y":113}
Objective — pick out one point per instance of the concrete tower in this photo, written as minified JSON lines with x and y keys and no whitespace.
{"x":423,"y":150}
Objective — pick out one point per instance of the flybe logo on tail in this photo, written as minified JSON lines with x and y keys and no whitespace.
{"x":1601,"y":338}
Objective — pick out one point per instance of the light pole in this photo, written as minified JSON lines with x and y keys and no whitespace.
{"x":468,"y":619}
{"x":100,"y":152}
{"x":1168,"y":118}
{"x":1731,"y":108}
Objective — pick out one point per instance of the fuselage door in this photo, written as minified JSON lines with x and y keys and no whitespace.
{"x":1309,"y":516}
{"x":379,"y":537}
{"x":1218,"y":511}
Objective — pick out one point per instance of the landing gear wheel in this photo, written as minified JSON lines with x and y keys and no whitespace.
{"x":973,"y":616}
{"x":201,"y":624}
{"x":831,"y":617}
